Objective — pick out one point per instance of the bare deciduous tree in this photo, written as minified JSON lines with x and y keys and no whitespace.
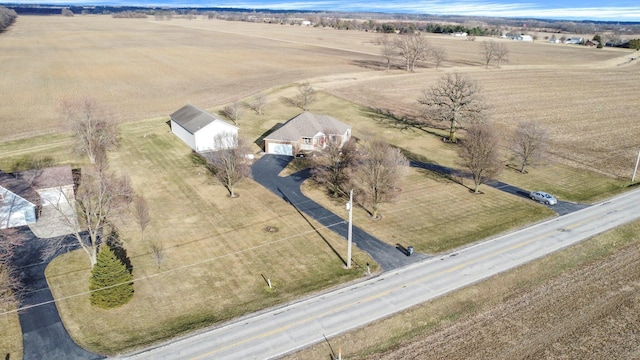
{"x":258,"y":103}
{"x":389,"y":51}
{"x":488,"y":50}
{"x":529,"y":144}
{"x":439,"y":55}
{"x":9,"y":280}
{"x":100,"y":199}
{"x":94,"y":130}
{"x":141,"y":213}
{"x":306,"y":96}
{"x":234,"y":111}
{"x":494,"y":51}
{"x":332,"y":165}
{"x":377,"y":176}
{"x":502,"y":54}
{"x":454,"y":98}
{"x":157,"y":251}
{"x":480,"y":153}
{"x":229,"y":163}
{"x":412,"y":48}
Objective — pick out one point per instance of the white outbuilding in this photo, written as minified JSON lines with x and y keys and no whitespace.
{"x":198,"y":128}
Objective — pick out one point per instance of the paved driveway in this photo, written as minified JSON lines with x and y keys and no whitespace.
{"x":562,"y":207}
{"x":265,"y":171}
{"x":44,"y":336}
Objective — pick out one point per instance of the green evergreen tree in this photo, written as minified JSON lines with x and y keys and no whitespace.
{"x":111,"y":283}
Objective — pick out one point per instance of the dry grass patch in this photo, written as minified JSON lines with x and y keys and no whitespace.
{"x":216,"y":251}
{"x":492,"y":319}
{"x":590,"y":129}
{"x":10,"y":336}
{"x":435,"y":215}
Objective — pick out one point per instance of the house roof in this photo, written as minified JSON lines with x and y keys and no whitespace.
{"x":193,"y":119}
{"x":47,"y":178}
{"x":307,"y":125}
{"x":18,"y":186}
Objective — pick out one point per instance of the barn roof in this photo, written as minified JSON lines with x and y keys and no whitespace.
{"x":307,"y":125}
{"x":193,"y":119}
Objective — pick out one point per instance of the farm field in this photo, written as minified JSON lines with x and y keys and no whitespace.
{"x":579,"y":303}
{"x":142,"y":70}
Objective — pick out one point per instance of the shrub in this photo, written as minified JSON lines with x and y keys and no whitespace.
{"x":111,"y":283}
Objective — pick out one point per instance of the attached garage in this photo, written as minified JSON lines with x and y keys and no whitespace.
{"x":280,"y":149}
{"x":306,"y":132}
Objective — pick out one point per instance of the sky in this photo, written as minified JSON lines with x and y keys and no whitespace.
{"x":602,"y":10}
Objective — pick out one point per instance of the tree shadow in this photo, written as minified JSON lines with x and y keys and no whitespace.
{"x":114,"y":241}
{"x":344,"y":262}
{"x":260,"y":140}
{"x":373,"y":64}
{"x":407,"y":251}
{"x":392,"y":120}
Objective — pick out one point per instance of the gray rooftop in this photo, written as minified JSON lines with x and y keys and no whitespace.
{"x":193,"y":119}
{"x":308,"y":125}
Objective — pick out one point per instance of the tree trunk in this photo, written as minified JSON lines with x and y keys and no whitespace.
{"x":522,"y":168}
{"x":452,"y":132}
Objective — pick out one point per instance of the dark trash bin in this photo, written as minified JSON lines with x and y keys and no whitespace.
{"x":410,"y":250}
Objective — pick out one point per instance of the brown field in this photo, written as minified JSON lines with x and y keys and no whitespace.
{"x":579,"y":303}
{"x":143,"y":70}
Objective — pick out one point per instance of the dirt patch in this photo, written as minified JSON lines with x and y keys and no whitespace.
{"x":589,"y":313}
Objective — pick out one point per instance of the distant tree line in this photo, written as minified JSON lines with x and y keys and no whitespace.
{"x":130,"y":15}
{"x":7,"y":17}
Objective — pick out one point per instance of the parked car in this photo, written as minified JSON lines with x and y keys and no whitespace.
{"x":543,"y":197}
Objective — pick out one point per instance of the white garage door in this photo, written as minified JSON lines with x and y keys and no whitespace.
{"x":281,"y":149}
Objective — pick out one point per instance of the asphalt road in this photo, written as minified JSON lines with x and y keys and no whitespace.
{"x":276,"y":332}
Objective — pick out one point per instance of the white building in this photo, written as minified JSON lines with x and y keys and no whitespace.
{"x":198,"y":128}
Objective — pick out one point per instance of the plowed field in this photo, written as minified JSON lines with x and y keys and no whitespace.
{"x":590,"y":313}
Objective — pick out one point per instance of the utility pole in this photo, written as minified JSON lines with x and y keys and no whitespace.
{"x":350,"y":208}
{"x":636,"y":168}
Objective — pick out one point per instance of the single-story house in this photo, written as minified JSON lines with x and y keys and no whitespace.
{"x":23,"y":195}
{"x":306,"y":132}
{"x":198,"y":128}
{"x":574,"y":40}
{"x":19,"y":202}
{"x":459,"y":34}
{"x":522,"y":37}
{"x":591,"y":43}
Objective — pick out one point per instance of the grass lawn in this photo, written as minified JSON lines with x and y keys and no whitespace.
{"x":218,"y":253}
{"x":434,"y":214}
{"x":217,"y":250}
{"x":10,"y":336}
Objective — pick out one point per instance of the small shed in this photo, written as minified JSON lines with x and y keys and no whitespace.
{"x":306,"y":132}
{"x":198,"y":128}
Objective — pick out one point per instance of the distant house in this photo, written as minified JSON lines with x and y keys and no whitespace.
{"x":574,"y":40}
{"x":305,"y":133}
{"x":522,"y":37}
{"x":305,"y":23}
{"x":19,"y":202}
{"x":459,"y":34}
{"x":591,"y":43}
{"x":198,"y":128}
{"x":555,"y":41}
